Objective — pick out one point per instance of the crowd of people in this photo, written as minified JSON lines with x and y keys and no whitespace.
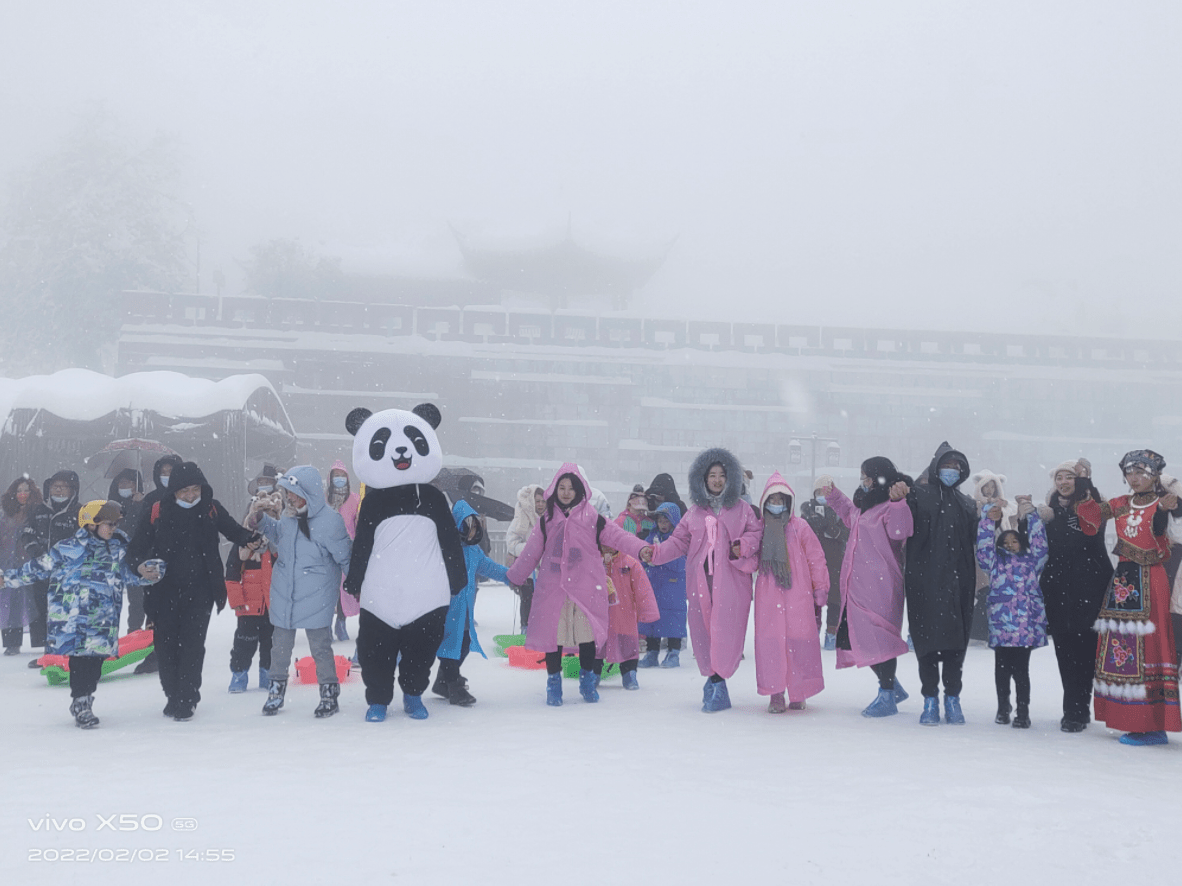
{"x":617,"y":591}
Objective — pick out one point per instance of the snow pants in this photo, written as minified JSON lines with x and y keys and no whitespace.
{"x":253,"y":632}
{"x":319,"y":642}
{"x":378,"y":648}
{"x":85,"y":671}
{"x":1075,"y":654}
{"x":449,"y":668}
{"x":1012,"y":663}
{"x":929,"y":672}
{"x":180,"y":629}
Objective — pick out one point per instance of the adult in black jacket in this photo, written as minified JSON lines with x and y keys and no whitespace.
{"x":128,"y":489}
{"x":54,"y":520}
{"x":664,"y":489}
{"x":1073,"y":584}
{"x":182,"y":529}
{"x":940,"y":580}
{"x":833,"y":536}
{"x":161,"y":477}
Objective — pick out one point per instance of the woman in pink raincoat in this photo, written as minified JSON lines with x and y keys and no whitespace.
{"x":631,"y":600}
{"x":346,"y":503}
{"x":570,"y":606}
{"x":719,"y":536}
{"x":871,"y":627}
{"x":793,"y":580}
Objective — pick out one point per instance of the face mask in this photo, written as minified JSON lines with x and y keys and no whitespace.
{"x":125,"y":493}
{"x":188,"y":504}
{"x":264,"y":490}
{"x":776,"y":509}
{"x":949,"y":476}
{"x":340,"y":482}
{"x":59,"y":499}
{"x":164,"y":481}
{"x":820,"y":499}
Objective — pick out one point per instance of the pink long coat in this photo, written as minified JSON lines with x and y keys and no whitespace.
{"x":719,"y":607}
{"x":569,"y":565}
{"x":872,"y":579}
{"x":787,"y":647}
{"x":348,"y":511}
{"x":634,"y":601}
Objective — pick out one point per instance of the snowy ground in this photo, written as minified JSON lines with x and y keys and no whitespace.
{"x":642,"y":786}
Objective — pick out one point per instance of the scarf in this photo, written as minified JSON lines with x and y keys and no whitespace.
{"x":715,"y":501}
{"x":773,"y":550}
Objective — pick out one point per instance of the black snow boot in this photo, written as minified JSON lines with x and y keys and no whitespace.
{"x":329,"y":693}
{"x":1022,"y":716}
{"x":275,"y":693}
{"x":1003,"y":712}
{"x":83,"y":715}
{"x":458,"y":694}
{"x":439,"y":687}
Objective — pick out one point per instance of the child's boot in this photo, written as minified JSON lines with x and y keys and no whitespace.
{"x":329,"y":693}
{"x":275,"y":693}
{"x":83,"y":715}
{"x":238,"y":681}
{"x":458,"y":694}
{"x":554,"y":690}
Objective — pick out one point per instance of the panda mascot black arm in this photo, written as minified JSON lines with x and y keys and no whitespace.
{"x":396,"y":454}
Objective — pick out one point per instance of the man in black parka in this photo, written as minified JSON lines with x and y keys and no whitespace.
{"x":182,"y":529}
{"x":940,"y":581}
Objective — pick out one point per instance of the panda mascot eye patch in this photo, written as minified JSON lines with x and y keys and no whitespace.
{"x":395,"y":447}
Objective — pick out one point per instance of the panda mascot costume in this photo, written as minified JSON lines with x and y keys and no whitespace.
{"x":408,"y":561}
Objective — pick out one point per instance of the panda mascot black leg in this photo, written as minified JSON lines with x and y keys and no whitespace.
{"x":407,"y":560}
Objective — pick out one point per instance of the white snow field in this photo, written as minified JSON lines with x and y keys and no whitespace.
{"x":641,"y":787}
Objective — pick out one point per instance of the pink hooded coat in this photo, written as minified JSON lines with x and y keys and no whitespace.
{"x":348,"y":511}
{"x":719,"y":607}
{"x":634,"y":601}
{"x":569,"y":564}
{"x":872,"y":579}
{"x":787,"y":645}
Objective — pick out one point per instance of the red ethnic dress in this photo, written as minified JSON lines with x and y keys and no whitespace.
{"x":1136,"y":674}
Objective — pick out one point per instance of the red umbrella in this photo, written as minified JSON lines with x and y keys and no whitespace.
{"x":123,"y":454}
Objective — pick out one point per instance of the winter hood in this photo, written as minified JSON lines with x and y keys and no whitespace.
{"x":582,"y":494}
{"x":777,"y":483}
{"x":175,"y":460}
{"x":984,"y":476}
{"x":69,"y":476}
{"x":697,"y":477}
{"x":525,"y":498}
{"x":126,"y":474}
{"x":306,"y":482}
{"x":943,"y":452}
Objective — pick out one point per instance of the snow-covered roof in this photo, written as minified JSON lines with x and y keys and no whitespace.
{"x":83,"y":395}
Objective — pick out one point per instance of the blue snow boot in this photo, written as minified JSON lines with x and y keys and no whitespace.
{"x":830,"y":642}
{"x":587,"y":684}
{"x":882,"y":706}
{"x":414,"y":707}
{"x":952,"y":712}
{"x":376,"y":713}
{"x":630,"y":681}
{"x":554,"y":690}
{"x":1144,"y":739}
{"x":649,"y":659}
{"x":900,"y":692}
{"x":707,"y":692}
{"x":238,"y":681}
{"x":264,"y":678}
{"x":720,"y":699}
{"x":672,"y":659}
{"x":931,"y":712}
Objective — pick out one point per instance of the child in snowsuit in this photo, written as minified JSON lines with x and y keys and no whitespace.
{"x":668,"y":583}
{"x":248,"y":591}
{"x":793,"y":580}
{"x":87,"y":575}
{"x":630,"y":597}
{"x":1017,"y":616}
{"x":459,"y":630}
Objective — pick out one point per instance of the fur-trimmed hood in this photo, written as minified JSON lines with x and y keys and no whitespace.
{"x":697,"y":477}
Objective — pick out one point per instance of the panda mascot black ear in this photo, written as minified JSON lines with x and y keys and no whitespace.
{"x":429,"y":413}
{"x":355,"y":419}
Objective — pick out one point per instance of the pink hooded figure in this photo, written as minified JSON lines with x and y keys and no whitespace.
{"x":719,"y":536}
{"x":345,"y":502}
{"x":570,"y":604}
{"x":793,"y":580}
{"x":872,"y":594}
{"x":631,"y":601}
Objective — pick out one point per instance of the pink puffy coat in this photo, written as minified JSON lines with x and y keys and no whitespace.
{"x":568,"y":564}
{"x":787,"y":646}
{"x":634,"y":601}
{"x":872,"y":579}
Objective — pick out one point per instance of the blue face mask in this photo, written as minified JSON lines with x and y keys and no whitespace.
{"x":949,"y":476}
{"x":265,"y":490}
{"x":775,"y":510}
{"x":820,"y":499}
{"x":164,"y":481}
{"x":188,"y":504}
{"x":340,"y":482}
{"x":59,"y":499}
{"x":125,"y":493}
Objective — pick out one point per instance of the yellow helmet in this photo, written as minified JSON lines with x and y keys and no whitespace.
{"x":99,"y":511}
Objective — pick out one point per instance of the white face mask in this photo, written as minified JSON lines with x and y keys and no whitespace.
{"x":125,"y":493}
{"x":776,"y":510}
{"x":265,"y":490}
{"x":59,"y":499}
{"x":188,"y":504}
{"x":164,"y":481}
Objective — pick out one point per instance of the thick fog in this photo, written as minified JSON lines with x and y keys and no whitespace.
{"x":1009,"y":166}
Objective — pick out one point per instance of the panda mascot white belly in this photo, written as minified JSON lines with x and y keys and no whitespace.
{"x":407,"y":556}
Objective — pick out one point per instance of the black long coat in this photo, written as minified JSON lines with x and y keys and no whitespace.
{"x":940,"y":576}
{"x":1077,"y":572}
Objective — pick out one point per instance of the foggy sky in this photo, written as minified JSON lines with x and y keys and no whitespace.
{"x":1010,"y":166}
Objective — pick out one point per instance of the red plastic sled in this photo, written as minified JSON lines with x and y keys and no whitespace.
{"x":306,"y":669}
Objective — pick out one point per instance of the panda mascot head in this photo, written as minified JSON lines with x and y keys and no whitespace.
{"x":395,"y":447}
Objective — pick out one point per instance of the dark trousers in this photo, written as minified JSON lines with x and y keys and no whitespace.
{"x":653,"y":644}
{"x":627,"y":666}
{"x":253,"y":632}
{"x":1076,"y":655}
{"x":180,"y":628}
{"x":135,"y":608}
{"x":10,"y":638}
{"x":885,"y":671}
{"x":379,"y":645}
{"x":1012,"y":663}
{"x":449,"y":668}
{"x":39,"y":594}
{"x":85,"y":671}
{"x":526,"y":595}
{"x":587,"y":659}
{"x":930,"y":672}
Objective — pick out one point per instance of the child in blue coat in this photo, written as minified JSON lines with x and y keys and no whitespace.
{"x":1014,"y":559}
{"x":668,"y":581}
{"x":459,"y":631}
